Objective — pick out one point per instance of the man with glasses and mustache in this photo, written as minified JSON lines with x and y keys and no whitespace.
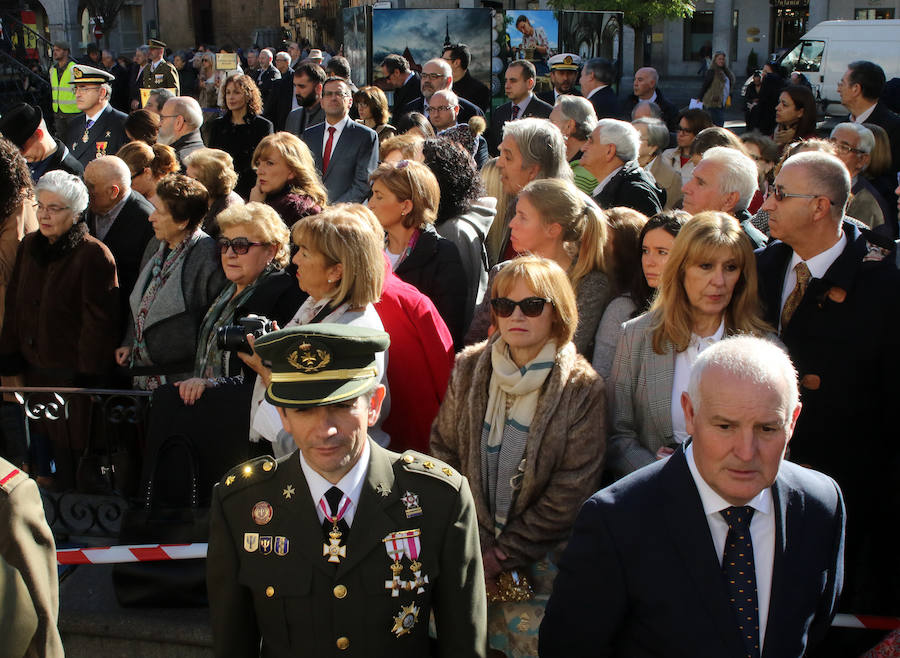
{"x":436,"y":76}
{"x":834,"y":295}
{"x":101,"y":129}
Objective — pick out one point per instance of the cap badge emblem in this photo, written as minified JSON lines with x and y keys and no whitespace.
{"x":309,"y":359}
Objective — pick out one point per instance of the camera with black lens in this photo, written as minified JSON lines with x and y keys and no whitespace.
{"x":233,"y":338}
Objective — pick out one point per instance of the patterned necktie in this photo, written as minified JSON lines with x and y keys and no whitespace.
{"x":740,"y":576}
{"x":796,"y":296}
{"x":515,"y":112}
{"x":333,"y":497}
{"x":326,"y":157}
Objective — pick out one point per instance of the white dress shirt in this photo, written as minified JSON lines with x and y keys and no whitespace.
{"x":522,"y":105}
{"x":863,"y":116}
{"x":351,"y":484}
{"x":102,"y":223}
{"x":762,"y":534}
{"x":684,"y":361}
{"x":604,"y":182}
{"x":817,"y":265}
{"x":338,"y":129}
{"x":595,"y":90}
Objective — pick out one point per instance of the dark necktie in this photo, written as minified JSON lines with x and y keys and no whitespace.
{"x":515,"y":112}
{"x":740,"y":576}
{"x":796,"y":296}
{"x":88,"y":124}
{"x":326,"y":157}
{"x":333,"y":497}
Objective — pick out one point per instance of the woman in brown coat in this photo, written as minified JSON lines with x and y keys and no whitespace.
{"x":523,"y":419}
{"x":61,"y":317}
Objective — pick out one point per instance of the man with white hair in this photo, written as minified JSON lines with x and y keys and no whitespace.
{"x":723,"y":549}
{"x":834,"y":297}
{"x":267,"y":74}
{"x":725,"y":180}
{"x":101,"y":128}
{"x":118,"y":217}
{"x":179,"y":126}
{"x":854,"y":143}
{"x":610,"y":156}
{"x":645,"y":89}
{"x":437,"y":75}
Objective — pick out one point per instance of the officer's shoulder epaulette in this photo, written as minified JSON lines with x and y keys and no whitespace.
{"x":416,"y":462}
{"x":250,"y":472}
{"x":11,"y":477}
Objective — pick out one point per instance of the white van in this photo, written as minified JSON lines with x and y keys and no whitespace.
{"x":824,"y":52}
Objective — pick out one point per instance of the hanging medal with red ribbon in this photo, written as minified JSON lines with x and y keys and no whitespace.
{"x":395,"y":546}
{"x":412,"y":548}
{"x":334,"y":550}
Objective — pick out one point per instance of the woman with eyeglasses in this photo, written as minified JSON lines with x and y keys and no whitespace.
{"x":254,"y":248}
{"x":708,"y":290}
{"x":180,"y":277}
{"x":690,"y":123}
{"x":554,"y":219}
{"x":523,"y":419}
{"x":148,"y":165}
{"x":286,"y":178}
{"x":61,"y":318}
{"x":405,"y":199}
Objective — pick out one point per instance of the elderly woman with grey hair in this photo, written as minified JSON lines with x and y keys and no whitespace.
{"x":654,"y":140}
{"x":61,"y":319}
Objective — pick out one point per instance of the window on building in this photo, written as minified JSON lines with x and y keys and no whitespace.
{"x":130,"y":22}
{"x":698,"y":36}
{"x":873,"y":14}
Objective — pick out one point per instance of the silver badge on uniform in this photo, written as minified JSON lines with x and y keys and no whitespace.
{"x":251,"y":541}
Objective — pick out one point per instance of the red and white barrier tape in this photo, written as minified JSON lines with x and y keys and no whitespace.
{"x":130,"y":553}
{"x":866,"y":621}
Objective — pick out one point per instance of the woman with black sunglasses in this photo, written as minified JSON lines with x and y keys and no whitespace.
{"x":524,"y":393}
{"x":254,"y":248}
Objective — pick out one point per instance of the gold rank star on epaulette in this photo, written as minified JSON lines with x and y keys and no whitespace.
{"x":416,"y":462}
{"x":250,"y":472}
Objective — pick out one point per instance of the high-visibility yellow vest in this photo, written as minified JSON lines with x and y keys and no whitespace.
{"x":62,"y":91}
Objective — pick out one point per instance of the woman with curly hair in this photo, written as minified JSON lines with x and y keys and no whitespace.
{"x":286,"y":178}
{"x":372,"y":105}
{"x":215,"y":169}
{"x":143,"y":126}
{"x":241,"y":129}
{"x":464,"y":214}
{"x":17,"y":215}
{"x":148,"y":165}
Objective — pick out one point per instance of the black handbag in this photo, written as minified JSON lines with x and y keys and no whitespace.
{"x":110,"y":463}
{"x":165,"y":584}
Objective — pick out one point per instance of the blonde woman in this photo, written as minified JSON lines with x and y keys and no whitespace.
{"x":215,"y":169}
{"x":148,"y":165}
{"x":707,"y":291}
{"x":286,"y":178}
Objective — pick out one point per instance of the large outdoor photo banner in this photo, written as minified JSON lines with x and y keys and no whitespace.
{"x":356,"y":43}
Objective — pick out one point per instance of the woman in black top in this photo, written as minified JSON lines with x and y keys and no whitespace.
{"x":241,"y":129}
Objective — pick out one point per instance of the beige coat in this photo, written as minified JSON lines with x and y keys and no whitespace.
{"x":12,"y":230}
{"x":668,"y":179}
{"x":564,"y":454}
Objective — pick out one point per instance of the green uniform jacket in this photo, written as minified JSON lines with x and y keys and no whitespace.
{"x":299,"y":604}
{"x":164,"y":77}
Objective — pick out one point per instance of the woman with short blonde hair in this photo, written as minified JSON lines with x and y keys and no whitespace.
{"x":148,"y":165}
{"x":707,"y":291}
{"x":215,"y":169}
{"x":286,"y":178}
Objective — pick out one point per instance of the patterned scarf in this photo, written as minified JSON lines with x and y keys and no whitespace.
{"x":163,"y":264}
{"x":211,"y":361}
{"x":513,"y":396}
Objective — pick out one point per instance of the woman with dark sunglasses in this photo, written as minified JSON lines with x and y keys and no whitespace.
{"x":523,"y":420}
{"x":254,"y":248}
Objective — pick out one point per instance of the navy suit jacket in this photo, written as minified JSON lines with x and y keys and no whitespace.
{"x":536,"y":108}
{"x":353,"y":159}
{"x":640,"y":576}
{"x":105,"y":137}
{"x":411,"y":90}
{"x":467,"y":110}
{"x":605,"y":103}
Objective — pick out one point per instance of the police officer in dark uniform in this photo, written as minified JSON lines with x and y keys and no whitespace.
{"x":29,"y":587}
{"x":342,"y":548}
{"x":158,"y":73}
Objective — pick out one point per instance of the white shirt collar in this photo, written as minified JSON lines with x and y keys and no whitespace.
{"x":351,"y":484}
{"x":712,"y":502}
{"x":524,"y":103}
{"x":864,"y":115}
{"x":595,"y":90}
{"x":820,"y":263}
{"x":95,"y":116}
{"x":606,"y":180}
{"x":705,"y":341}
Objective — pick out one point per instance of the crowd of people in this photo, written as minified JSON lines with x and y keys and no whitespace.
{"x":545,"y":297}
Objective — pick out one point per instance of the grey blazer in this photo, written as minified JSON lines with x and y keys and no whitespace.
{"x":300,"y":119}
{"x":640,"y":398}
{"x":174,"y":318}
{"x":353,"y":159}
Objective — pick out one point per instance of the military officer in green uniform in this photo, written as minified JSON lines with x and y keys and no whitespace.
{"x":29,"y":586}
{"x":342,"y":548}
{"x":159,"y":74}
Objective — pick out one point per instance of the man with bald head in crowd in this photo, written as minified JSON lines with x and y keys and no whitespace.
{"x":645,"y":89}
{"x":118,"y":217}
{"x":437,"y":75}
{"x":834,"y":297}
{"x":268,"y":74}
{"x":179,"y":126}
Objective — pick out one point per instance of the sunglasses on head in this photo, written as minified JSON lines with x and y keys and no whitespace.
{"x":240,"y":246}
{"x":531,"y":306}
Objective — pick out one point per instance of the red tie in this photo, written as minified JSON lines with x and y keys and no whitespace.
{"x":326,"y":157}
{"x":515,"y":112}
